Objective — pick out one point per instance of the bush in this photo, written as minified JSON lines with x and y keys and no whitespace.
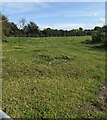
{"x":100,"y":37}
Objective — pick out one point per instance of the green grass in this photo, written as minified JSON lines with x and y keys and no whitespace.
{"x":52,"y":78}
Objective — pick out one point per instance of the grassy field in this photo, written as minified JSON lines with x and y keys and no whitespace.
{"x":52,"y":78}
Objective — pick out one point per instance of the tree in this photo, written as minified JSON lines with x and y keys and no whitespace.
{"x":97,"y":28}
{"x":32,"y":29}
{"x":22,"y":23}
{"x":5,"y":24}
{"x":48,"y":32}
{"x":104,"y":28}
{"x":100,"y":36}
{"x":13,"y":29}
{"x":81,"y":28}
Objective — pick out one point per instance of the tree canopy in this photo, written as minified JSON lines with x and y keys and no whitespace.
{"x":31,"y":29}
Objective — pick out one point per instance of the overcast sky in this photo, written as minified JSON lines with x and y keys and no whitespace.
{"x":57,"y":15}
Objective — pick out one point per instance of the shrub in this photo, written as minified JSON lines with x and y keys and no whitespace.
{"x":98,"y":37}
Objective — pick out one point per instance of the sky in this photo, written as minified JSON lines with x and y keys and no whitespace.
{"x":57,"y":15}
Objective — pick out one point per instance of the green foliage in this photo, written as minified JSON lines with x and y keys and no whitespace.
{"x":5,"y":25}
{"x":32,"y":30}
{"x":8,"y":28}
{"x":100,"y":36}
{"x":81,"y":29}
{"x":97,"y":28}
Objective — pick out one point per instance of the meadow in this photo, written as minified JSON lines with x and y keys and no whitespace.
{"x":53,"y":77}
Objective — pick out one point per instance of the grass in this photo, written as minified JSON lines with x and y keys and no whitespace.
{"x":52,"y":78}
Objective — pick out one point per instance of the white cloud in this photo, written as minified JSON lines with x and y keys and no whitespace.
{"x":20,"y":8}
{"x":95,"y":14}
{"x":69,"y":26}
{"x":68,"y":14}
{"x":102,"y":20}
{"x":80,"y":13}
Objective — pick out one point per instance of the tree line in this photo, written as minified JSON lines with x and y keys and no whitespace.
{"x":9,"y":29}
{"x":32,"y":30}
